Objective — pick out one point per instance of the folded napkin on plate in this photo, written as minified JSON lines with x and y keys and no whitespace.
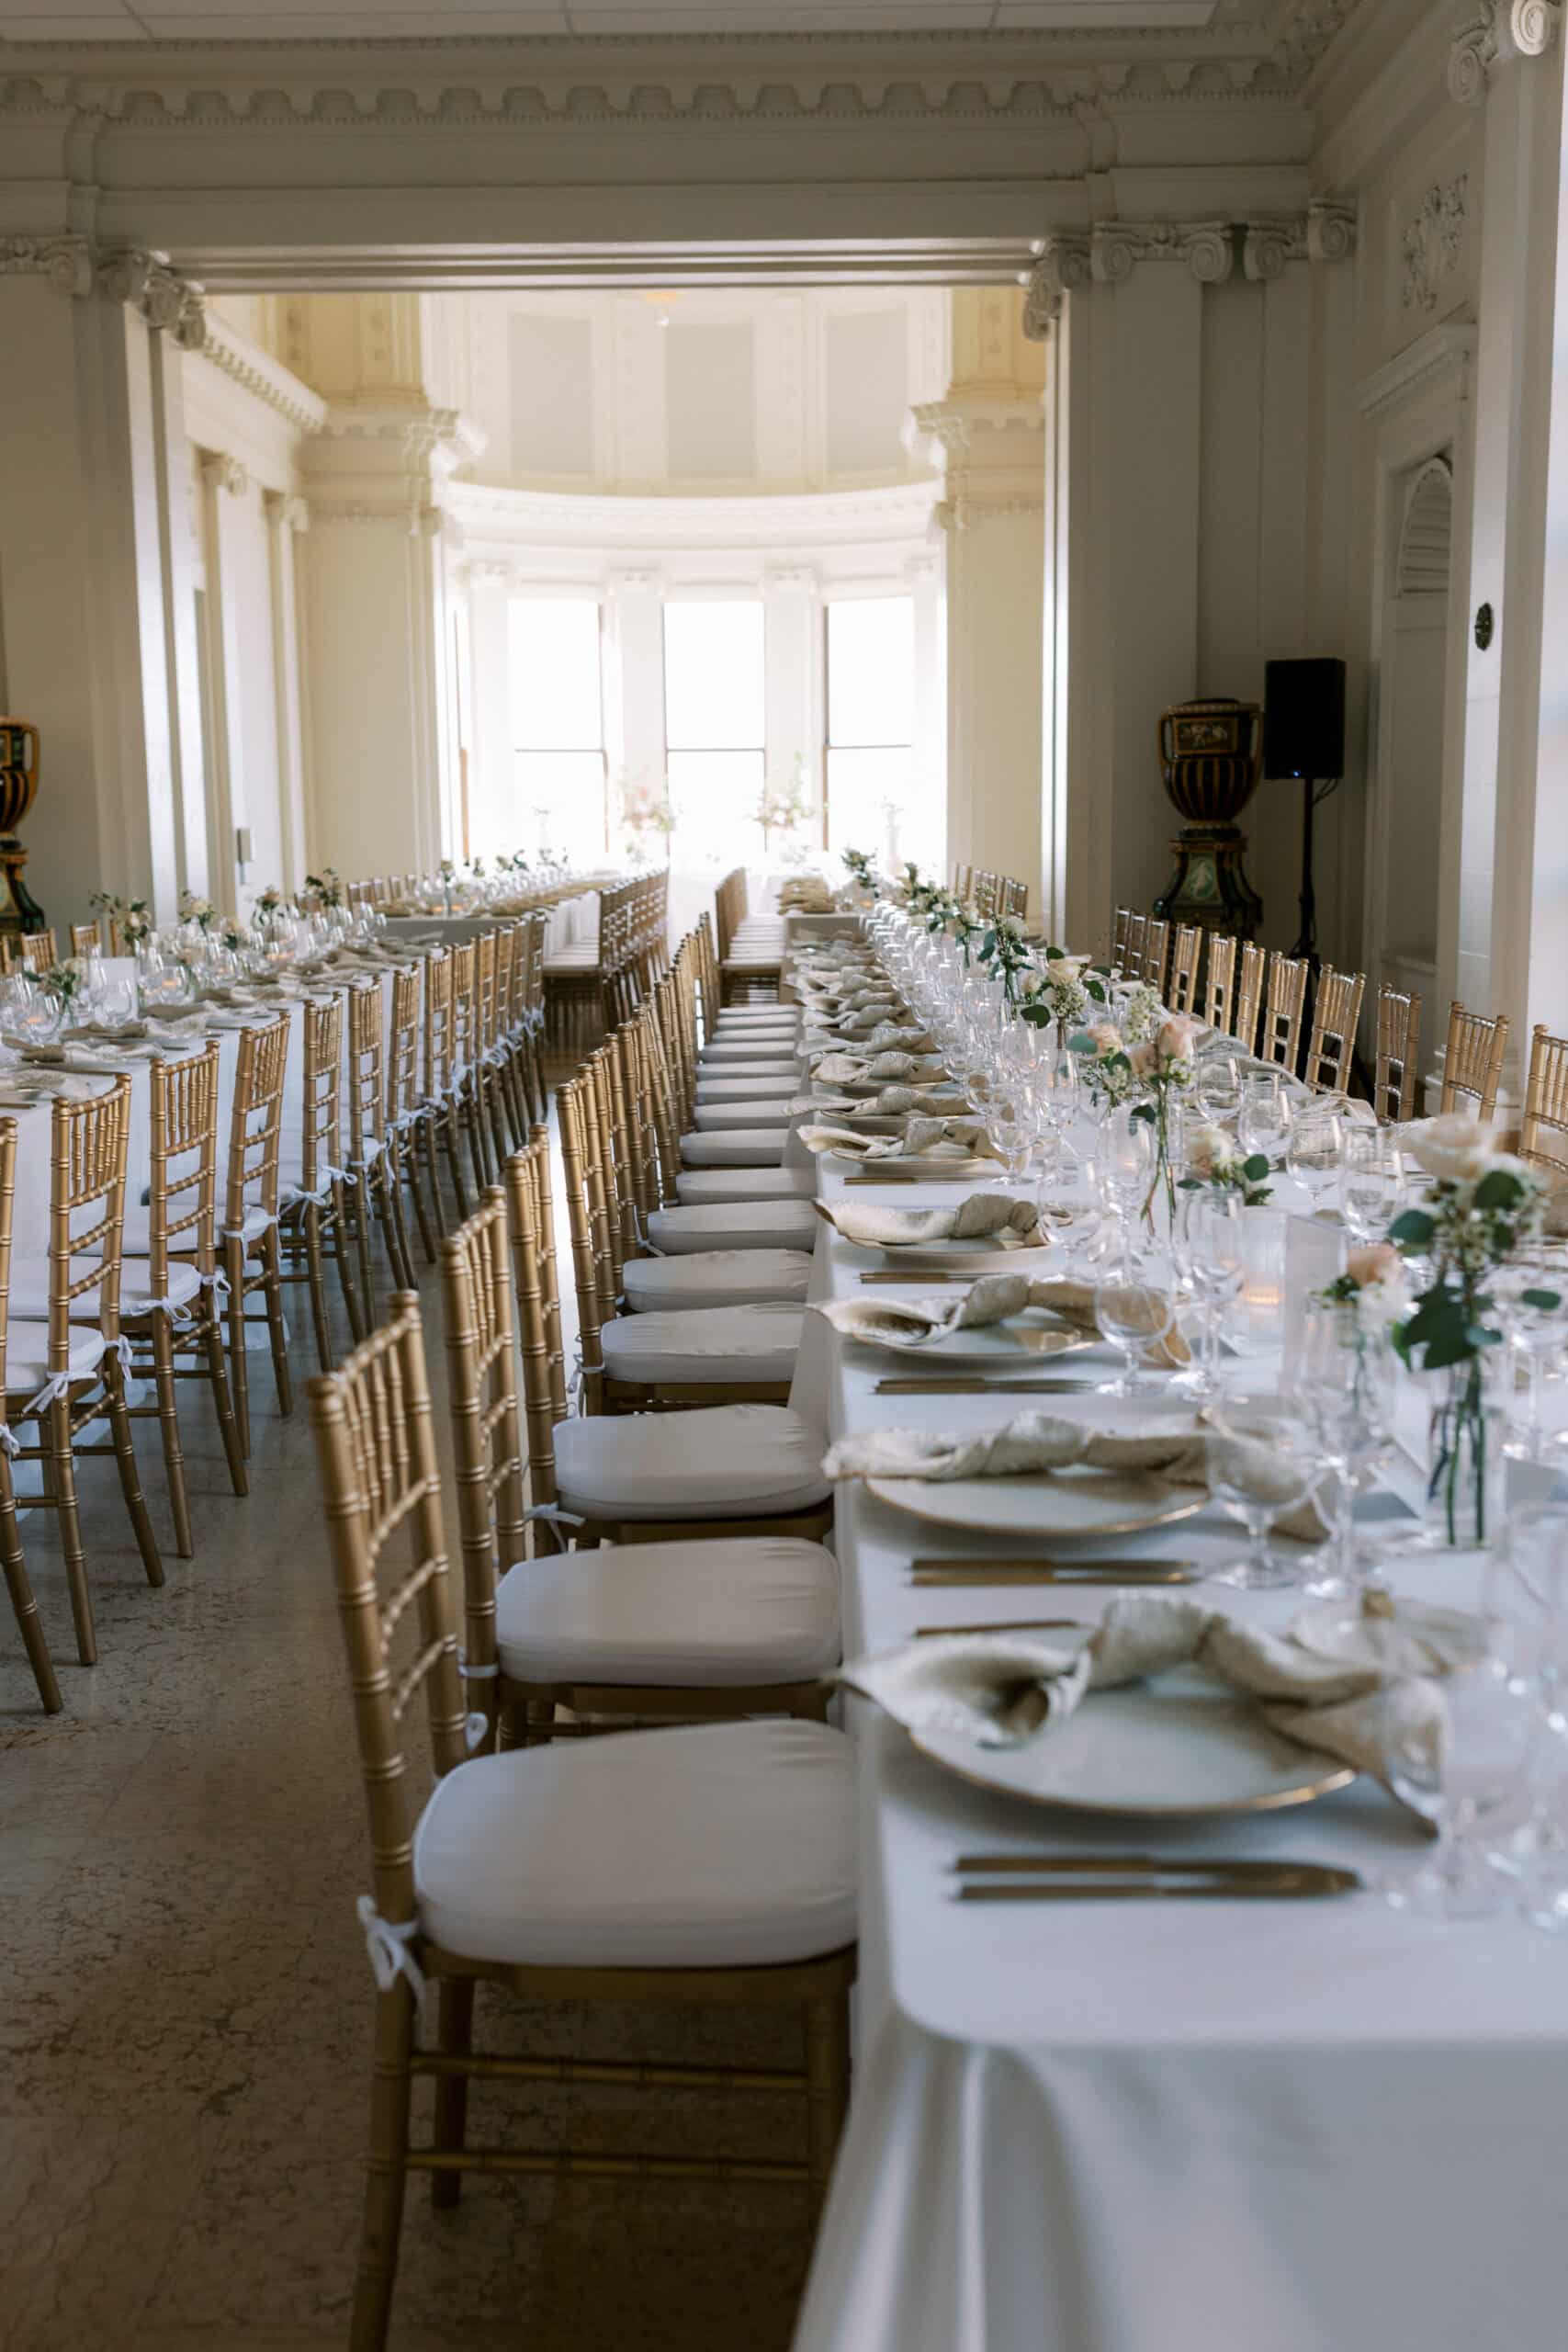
{"x":916,"y":1322}
{"x":1035,"y":1443}
{"x":18,"y":1094}
{"x":858,"y":1070}
{"x":1000,"y":1690}
{"x":110,"y":1033}
{"x":1014,"y":1224}
{"x":889,"y":1103}
{"x":921,"y":1139}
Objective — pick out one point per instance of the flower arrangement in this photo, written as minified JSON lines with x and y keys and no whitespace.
{"x":785,"y":812}
{"x":1142,"y":1014}
{"x":200,"y":911}
{"x":131,"y":915}
{"x":1374,"y":1285}
{"x":1004,"y":951}
{"x":1163,"y":1066}
{"x":65,"y":982}
{"x":1107,"y":1065}
{"x":328,"y":885}
{"x":235,"y":937}
{"x":269,"y":903}
{"x":1482,"y":1205}
{"x":1213,"y":1158}
{"x":647,"y":807}
{"x":858,"y":866}
{"x":1058,"y":992}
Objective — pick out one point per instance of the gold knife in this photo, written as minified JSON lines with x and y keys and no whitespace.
{"x":1284,"y":1884}
{"x":1142,"y":1865}
{"x":900,"y":1385}
{"x":1048,"y":1571}
{"x":1009,"y":1626}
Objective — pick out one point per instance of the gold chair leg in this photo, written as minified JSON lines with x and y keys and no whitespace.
{"x":169,"y":1431}
{"x":826,"y":2086}
{"x":422,"y":1151}
{"x":222,"y":1397}
{"x":317,"y":1285}
{"x":359,"y":1329}
{"x":272,"y":1291}
{"x":239,"y":1379}
{"x":394,"y":1220}
{"x":129,"y":1475}
{"x":457,"y":2035}
{"x":29,"y":1624}
{"x":388,"y":2170}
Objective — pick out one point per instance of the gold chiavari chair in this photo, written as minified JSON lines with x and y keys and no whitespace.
{"x":1399,"y":1032}
{"x":964,"y":883}
{"x":1282,"y":1015}
{"x":1156,"y":950}
{"x":488,"y":1140}
{"x":406,"y":1108}
{"x":536,"y":930}
{"x":438,"y":1123}
{"x":1332,"y":1038}
{"x":1472,"y":1060}
{"x":467,"y":1066}
{"x":509,"y":1123}
{"x":1246,"y":1003}
{"x":742,"y":1627}
{"x":1186,"y":956}
{"x":312,"y":1211}
{"x":751,"y":961}
{"x":10,"y":954}
{"x":1543,"y":1132}
{"x":1219,"y":982}
{"x":686,"y":1356}
{"x":85,"y":939}
{"x":985,"y":889}
{"x":13,"y":1560}
{"x":1122,"y":937}
{"x":373,"y":1186}
{"x":169,"y":1302}
{"x":724,"y":1469}
{"x":252,"y":1247}
{"x":1014,"y":898}
{"x":1133,"y":956}
{"x":39,"y":953}
{"x":514,"y":1872}
{"x":67,"y":1371}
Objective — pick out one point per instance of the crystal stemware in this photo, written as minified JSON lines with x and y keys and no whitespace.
{"x":1263,"y":1461}
{"x":1345,"y":1380}
{"x":1208,"y":1250}
{"x":1134,"y":1316}
{"x":1456,"y":1751}
{"x":1263,"y":1122}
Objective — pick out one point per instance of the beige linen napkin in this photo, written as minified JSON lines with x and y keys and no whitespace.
{"x":979,"y":1216}
{"x":1001,"y":1689}
{"x":1033,"y":1444}
{"x":938,"y":1139}
{"x":916,"y":1322}
{"x":859,"y":1069}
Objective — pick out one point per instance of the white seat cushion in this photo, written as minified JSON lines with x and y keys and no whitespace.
{"x":698,"y":1184}
{"x":716,"y":1278}
{"x":27,"y":1354}
{"x":736,"y":1148}
{"x":734,"y":1017}
{"x":30,"y":1300}
{"x":720,"y":1344}
{"x":724,"y":1088}
{"x":742,"y":1059}
{"x":722,"y":1845}
{"x":715,"y":1462}
{"x":735,"y":1224}
{"x":735,"y":1609}
{"x":771,"y":1110}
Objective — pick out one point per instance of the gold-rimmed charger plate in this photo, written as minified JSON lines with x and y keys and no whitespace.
{"x":1032,"y":1337}
{"x":1177,"y":1746}
{"x":1049,"y":1506}
{"x":918,"y":1167}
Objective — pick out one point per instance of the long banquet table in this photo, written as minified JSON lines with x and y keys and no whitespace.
{"x":1166,"y":2127}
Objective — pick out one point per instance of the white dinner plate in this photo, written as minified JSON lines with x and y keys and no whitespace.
{"x":981,"y":1254}
{"x":919,"y":1166}
{"x":1179,"y":1743}
{"x":1023,"y":1340}
{"x":1058,"y":1505}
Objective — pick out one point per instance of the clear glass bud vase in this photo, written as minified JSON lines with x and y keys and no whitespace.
{"x":1466,"y":1466}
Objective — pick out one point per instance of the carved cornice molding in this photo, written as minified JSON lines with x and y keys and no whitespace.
{"x":1108,"y":253}
{"x":963,"y":426}
{"x":221,"y":472}
{"x":1441,"y":354}
{"x":141,"y":276}
{"x":1499,"y":29}
{"x":66,"y":261}
{"x":970,"y":511}
{"x":203,"y":331}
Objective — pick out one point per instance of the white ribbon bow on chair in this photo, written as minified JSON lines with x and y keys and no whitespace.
{"x":387,"y":1945}
{"x":554,"y":1514}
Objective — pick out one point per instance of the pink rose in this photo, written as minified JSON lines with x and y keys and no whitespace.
{"x":1106,"y":1038}
{"x":1178,"y":1036}
{"x":1375,"y":1264}
{"x":1143,"y":1059}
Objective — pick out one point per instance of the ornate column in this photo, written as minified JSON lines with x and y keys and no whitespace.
{"x":793,"y":621}
{"x":1138,"y":608}
{"x":95,"y":572}
{"x":925,"y":573}
{"x":286,"y":519}
{"x":494,"y":822}
{"x":988,"y":435}
{"x":634,"y":685}
{"x":225,"y":490}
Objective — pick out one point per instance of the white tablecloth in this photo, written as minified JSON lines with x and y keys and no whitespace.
{"x":574,"y":922}
{"x":1166,"y":2127}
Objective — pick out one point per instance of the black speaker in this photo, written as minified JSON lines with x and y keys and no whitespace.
{"x":1303,"y":718}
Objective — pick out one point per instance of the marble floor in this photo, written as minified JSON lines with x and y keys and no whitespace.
{"x":186,"y":2022}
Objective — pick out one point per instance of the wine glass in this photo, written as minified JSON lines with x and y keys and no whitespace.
{"x":1456,"y":1751}
{"x":1217,"y":1084}
{"x":1521,"y":1287}
{"x":1345,"y":1379}
{"x":1263,"y":1122}
{"x":1127,"y":1155}
{"x":1134,"y":1316}
{"x":1312,"y":1150}
{"x":1209,"y":1254}
{"x":1372,"y":1177}
{"x":1264,"y":1460}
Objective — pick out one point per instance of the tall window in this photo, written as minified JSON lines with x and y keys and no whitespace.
{"x":557,"y":727}
{"x":872,"y":785}
{"x":714,"y":731}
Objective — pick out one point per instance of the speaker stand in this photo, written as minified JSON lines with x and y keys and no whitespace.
{"x":1306,"y":938}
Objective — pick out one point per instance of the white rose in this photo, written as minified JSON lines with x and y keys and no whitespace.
{"x":1456,"y":1148}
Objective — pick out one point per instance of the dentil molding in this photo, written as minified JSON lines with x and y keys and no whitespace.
{"x":1108,"y":253}
{"x":1499,"y":28}
{"x":212,"y":338}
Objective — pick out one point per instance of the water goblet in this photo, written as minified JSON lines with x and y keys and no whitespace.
{"x":1312,"y":1150}
{"x":1343,"y":1378}
{"x":1217,"y":1086}
{"x":1134,"y":1316}
{"x":1208,"y":1254}
{"x":1457,"y":1752}
{"x":1263,"y":1461}
{"x":1263,"y":1122}
{"x":1371,"y":1180}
